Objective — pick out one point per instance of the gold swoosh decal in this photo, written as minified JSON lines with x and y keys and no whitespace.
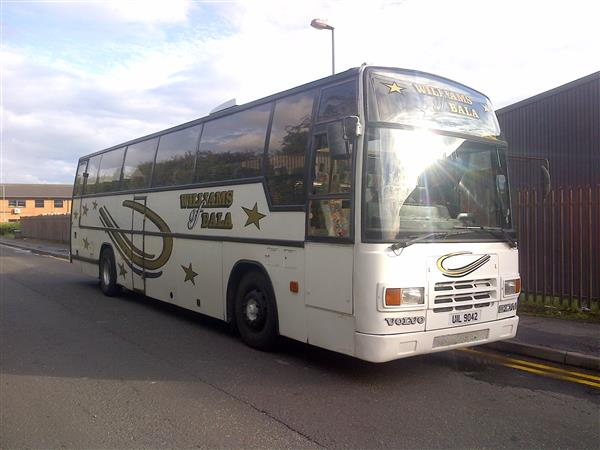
{"x":128,"y":243}
{"x":464,"y":270}
{"x":165,"y":254}
{"x":132,"y":254}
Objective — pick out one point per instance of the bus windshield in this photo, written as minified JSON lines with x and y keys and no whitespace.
{"x":418,"y":182}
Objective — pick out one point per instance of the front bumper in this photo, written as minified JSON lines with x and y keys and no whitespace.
{"x":382,"y":348}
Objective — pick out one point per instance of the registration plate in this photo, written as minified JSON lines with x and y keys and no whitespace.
{"x":464,"y":318}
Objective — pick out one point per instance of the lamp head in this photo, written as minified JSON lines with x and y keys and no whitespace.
{"x":320,"y":24}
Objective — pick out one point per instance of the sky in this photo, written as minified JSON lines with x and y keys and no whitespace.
{"x":80,"y":76}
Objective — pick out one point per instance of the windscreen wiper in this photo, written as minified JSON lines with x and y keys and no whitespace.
{"x":494,"y":231}
{"x":414,"y":239}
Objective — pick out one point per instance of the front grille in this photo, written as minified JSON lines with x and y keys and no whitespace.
{"x":464,"y":294}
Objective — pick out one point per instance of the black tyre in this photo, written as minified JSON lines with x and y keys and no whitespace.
{"x":255,"y":312}
{"x":108,"y":273}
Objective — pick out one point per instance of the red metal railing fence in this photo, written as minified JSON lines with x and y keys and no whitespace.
{"x":559,"y":245}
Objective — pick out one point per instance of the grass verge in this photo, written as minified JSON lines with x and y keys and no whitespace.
{"x":558,"y":308}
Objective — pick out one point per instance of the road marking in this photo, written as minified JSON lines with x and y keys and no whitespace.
{"x":24,"y":251}
{"x":16,"y":249}
{"x":59,"y":258}
{"x":536,"y":365}
{"x":539,"y":369}
{"x":553,"y":375}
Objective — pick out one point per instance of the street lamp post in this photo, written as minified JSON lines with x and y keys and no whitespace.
{"x":321,"y":24}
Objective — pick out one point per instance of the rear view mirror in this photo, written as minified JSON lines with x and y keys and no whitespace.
{"x":501,"y":183}
{"x":547,"y":183}
{"x":338,"y":146}
{"x":352,"y":128}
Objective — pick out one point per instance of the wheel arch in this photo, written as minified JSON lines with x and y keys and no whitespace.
{"x":239,"y":269}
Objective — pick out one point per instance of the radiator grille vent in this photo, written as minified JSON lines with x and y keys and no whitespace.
{"x":463,"y":295}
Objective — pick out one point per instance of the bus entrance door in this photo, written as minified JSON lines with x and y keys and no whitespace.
{"x":138,"y":228}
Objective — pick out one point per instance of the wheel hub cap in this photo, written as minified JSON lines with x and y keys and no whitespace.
{"x":106,"y":274}
{"x":252,"y":310}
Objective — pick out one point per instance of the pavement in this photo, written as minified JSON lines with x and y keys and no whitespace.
{"x":557,"y":340}
{"x":51,"y":248}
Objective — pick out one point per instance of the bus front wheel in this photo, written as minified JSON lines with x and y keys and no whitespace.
{"x":255,"y":312}
{"x":108,"y":273}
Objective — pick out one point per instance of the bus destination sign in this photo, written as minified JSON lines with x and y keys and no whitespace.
{"x":427,"y":102}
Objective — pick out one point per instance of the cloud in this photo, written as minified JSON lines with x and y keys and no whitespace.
{"x":53,"y":116}
{"x":149,"y":11}
{"x":85,"y":76}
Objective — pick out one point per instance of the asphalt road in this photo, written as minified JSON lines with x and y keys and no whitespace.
{"x":82,"y":370}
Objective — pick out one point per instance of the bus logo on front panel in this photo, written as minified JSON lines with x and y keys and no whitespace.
{"x":458,"y":272}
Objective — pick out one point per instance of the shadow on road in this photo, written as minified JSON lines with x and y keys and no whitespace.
{"x":63,"y":326}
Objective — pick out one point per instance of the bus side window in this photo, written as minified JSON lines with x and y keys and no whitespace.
{"x":232,"y":147}
{"x":79,"y":178}
{"x":109,"y":175}
{"x":139,"y":161}
{"x":176,"y":157}
{"x":287,"y":148}
{"x":92,"y":171}
{"x":338,"y":101}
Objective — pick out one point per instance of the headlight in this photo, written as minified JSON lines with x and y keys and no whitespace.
{"x":404,"y":297}
{"x":512,"y":287}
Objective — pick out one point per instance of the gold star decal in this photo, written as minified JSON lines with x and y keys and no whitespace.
{"x":75,"y":214}
{"x":189,"y":274}
{"x":122,"y":271}
{"x":85,"y":209}
{"x":95,"y":204}
{"x":253,"y":216}
{"x":486,"y":107}
{"x":86,"y":243}
{"x":394,"y":88}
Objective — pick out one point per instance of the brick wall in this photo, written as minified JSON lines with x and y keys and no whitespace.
{"x":7,"y":212}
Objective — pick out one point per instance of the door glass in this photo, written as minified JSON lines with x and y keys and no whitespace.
{"x":330,"y":204}
{"x":329,"y":218}
{"x":333,"y":165}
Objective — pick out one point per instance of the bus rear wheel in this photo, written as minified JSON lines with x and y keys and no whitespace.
{"x":255,"y":312}
{"x":108,"y":273}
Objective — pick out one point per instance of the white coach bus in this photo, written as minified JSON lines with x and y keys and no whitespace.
{"x":367,"y":213}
